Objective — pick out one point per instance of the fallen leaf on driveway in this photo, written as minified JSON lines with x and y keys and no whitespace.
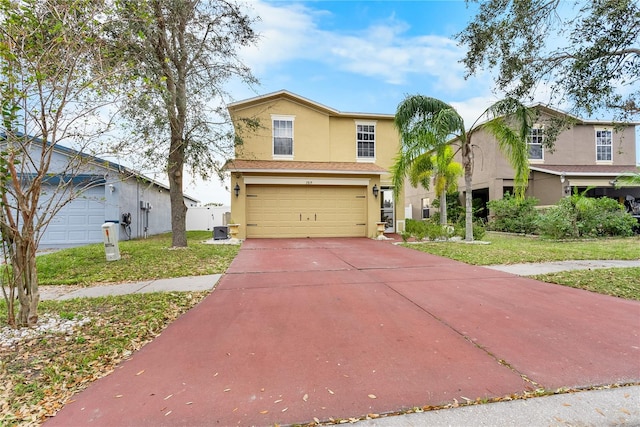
{"x":330,"y":392}
{"x":305,"y":397}
{"x":139,"y":372}
{"x":372,"y":396}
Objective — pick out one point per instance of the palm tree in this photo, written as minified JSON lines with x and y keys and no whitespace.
{"x":425,"y":123}
{"x":631,"y":179}
{"x":444,"y":171}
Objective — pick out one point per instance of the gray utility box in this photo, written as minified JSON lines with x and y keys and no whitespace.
{"x":220,"y":233}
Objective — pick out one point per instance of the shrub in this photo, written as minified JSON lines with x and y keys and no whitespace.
{"x":455,"y":210}
{"x":421,"y":229}
{"x":513,"y":215}
{"x":580,"y":216}
{"x":479,"y":230}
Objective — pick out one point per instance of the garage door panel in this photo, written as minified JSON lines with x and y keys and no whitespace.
{"x":306,"y":211}
{"x":79,"y":221}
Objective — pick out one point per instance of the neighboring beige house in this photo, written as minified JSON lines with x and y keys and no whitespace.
{"x":311,"y":171}
{"x":589,"y":154}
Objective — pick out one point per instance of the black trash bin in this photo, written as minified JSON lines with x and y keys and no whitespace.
{"x":220,"y":233}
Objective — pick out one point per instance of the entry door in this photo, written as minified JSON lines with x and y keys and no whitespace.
{"x":387,"y":211}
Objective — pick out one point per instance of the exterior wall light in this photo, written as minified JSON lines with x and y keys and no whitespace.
{"x":375,"y":191}
{"x":563,"y":177}
{"x":236,"y":189}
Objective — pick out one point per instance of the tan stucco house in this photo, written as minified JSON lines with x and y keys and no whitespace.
{"x":588,"y":154}
{"x":307,"y":170}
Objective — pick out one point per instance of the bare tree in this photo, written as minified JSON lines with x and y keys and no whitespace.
{"x":183,"y":52}
{"x":53,"y":82}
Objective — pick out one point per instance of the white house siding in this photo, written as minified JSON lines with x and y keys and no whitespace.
{"x":79,"y":222}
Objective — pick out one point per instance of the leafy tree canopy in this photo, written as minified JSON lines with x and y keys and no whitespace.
{"x":586,"y":51}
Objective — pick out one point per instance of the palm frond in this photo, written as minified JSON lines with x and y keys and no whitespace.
{"x":510,"y":124}
{"x":422,"y":169}
{"x":631,"y":180}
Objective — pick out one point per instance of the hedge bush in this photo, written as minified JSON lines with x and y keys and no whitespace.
{"x":579,"y":216}
{"x":513,"y":215}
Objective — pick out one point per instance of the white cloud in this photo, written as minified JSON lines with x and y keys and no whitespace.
{"x":285,"y":32}
{"x":290,"y":32}
{"x":471,"y":109}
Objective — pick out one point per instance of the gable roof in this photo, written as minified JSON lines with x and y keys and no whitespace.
{"x":290,"y":96}
{"x":585,"y":170}
{"x":286,"y":166}
{"x":107,"y":164}
{"x":552,"y":111}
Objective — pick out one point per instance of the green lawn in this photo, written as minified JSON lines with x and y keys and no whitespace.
{"x":509,"y":249}
{"x":142,"y":259}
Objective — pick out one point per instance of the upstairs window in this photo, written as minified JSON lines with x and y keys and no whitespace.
{"x":534,"y":144}
{"x":283,"y":137}
{"x":366,"y":140}
{"x":604,"y":151}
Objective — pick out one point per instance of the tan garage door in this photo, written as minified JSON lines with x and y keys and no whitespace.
{"x":306,"y":211}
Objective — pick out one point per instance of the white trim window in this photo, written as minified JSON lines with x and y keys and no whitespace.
{"x":535,"y":142}
{"x":282,"y":137}
{"x":604,"y":145}
{"x":366,"y":141}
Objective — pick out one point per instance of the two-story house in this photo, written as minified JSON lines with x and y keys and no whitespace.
{"x":588,"y":155}
{"x":308,"y":170}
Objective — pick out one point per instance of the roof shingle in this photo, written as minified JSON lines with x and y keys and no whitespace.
{"x":286,"y":166}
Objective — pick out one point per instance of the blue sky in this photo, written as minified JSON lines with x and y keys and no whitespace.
{"x":363,"y":56}
{"x":360,"y":56}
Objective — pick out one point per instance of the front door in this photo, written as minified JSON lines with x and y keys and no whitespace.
{"x":387,"y":212}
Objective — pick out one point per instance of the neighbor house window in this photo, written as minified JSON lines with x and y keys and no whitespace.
{"x":282,"y":136}
{"x":534,"y":144}
{"x":604,"y":150}
{"x":366,"y":140}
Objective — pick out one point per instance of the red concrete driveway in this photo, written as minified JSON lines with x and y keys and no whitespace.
{"x":317,"y":328}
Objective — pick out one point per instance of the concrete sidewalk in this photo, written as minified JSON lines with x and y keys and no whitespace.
{"x":607,"y":407}
{"x":179,"y":284}
{"x":531,"y":269}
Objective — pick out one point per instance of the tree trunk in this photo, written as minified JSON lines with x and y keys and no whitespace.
{"x":176,"y":194}
{"x":443,"y":207}
{"x":467,"y":161}
{"x":25,"y":279}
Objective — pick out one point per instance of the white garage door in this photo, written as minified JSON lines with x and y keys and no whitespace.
{"x":79,"y":222}
{"x":306,"y":211}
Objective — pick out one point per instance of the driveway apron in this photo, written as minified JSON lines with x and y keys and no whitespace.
{"x":304,"y":329}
